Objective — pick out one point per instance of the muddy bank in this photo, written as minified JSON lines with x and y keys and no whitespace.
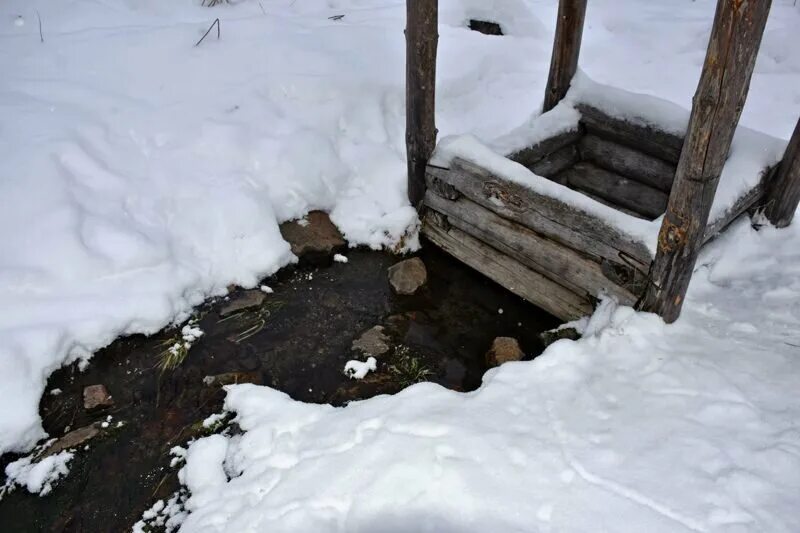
{"x":297,"y":340}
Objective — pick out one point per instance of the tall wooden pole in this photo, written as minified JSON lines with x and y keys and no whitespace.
{"x":422,"y":36}
{"x":783,"y":191}
{"x":566,"y":49}
{"x":716,"y":107}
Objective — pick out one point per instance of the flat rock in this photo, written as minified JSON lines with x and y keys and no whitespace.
{"x":232,"y":378}
{"x":553,"y":335}
{"x":96,"y":397}
{"x":246,"y":300}
{"x":406,"y":277}
{"x":73,"y":439}
{"x":372,"y":342}
{"x":503,"y":350}
{"x":314,"y":237}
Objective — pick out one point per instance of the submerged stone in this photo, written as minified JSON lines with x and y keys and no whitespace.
{"x":503,"y":350}
{"x":246,"y":300}
{"x":406,"y":277}
{"x":96,"y":397}
{"x":372,"y":342}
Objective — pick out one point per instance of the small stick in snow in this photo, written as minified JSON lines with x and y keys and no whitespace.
{"x":41,"y":35}
{"x":216,"y":21}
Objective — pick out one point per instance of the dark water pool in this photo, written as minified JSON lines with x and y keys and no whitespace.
{"x":298,"y":341}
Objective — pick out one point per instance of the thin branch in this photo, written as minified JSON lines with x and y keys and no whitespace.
{"x":216,"y":21}
{"x":41,"y":35}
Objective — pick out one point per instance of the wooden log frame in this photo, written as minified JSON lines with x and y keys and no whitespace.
{"x":502,"y":269}
{"x":561,"y":264}
{"x":735,"y":39}
{"x":783,"y":190}
{"x":652,"y":141}
{"x":422,"y":36}
{"x":628,"y":162}
{"x":618,"y":190}
{"x":548,"y":216}
{"x":566,"y":51}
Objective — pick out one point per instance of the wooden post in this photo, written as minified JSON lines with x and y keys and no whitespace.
{"x":566,"y":49}
{"x":717,"y":104}
{"x":422,"y":36}
{"x":783,"y":191}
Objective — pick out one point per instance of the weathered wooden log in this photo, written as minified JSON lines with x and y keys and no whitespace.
{"x":647,"y":139}
{"x":566,"y":50}
{"x":560,"y":160}
{"x":512,"y":275}
{"x":553,"y":218}
{"x":533,"y":154}
{"x":557,"y":262}
{"x":783,"y":190}
{"x":717,"y":105}
{"x":422,"y":36}
{"x":617,"y":189}
{"x":749,"y":201}
{"x":628,"y":162}
{"x":612,"y":205}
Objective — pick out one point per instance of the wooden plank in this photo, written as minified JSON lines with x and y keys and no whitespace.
{"x":783,"y":190}
{"x":533,"y":154}
{"x":717,"y":105}
{"x":744,"y":204}
{"x":605,"y":202}
{"x":422,"y":37}
{"x":557,"y":262}
{"x":628,"y":162}
{"x":647,"y":139}
{"x":566,"y":50}
{"x":550,"y":165}
{"x":512,"y":275}
{"x":550,"y":217}
{"x":617,"y":189}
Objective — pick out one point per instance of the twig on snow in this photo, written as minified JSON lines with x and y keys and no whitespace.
{"x":216,"y":21}
{"x":41,"y":35}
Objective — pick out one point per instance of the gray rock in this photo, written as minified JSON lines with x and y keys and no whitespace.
{"x":313,"y":238}
{"x":503,"y":350}
{"x":549,"y":337}
{"x":372,"y":342}
{"x":73,"y":439}
{"x":246,"y":300}
{"x":232,"y":378}
{"x":96,"y":397}
{"x":406,"y":277}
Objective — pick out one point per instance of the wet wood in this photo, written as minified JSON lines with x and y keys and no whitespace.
{"x":618,"y":190}
{"x":628,"y":162}
{"x":560,"y":160}
{"x":422,"y":37}
{"x":647,"y":139}
{"x":566,"y":50}
{"x":533,"y":154}
{"x":557,"y":262}
{"x":783,"y":190}
{"x":550,"y":217}
{"x":717,"y":105}
{"x":504,"y":270}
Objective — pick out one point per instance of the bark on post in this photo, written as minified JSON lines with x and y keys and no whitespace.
{"x":422,"y":36}
{"x":783,"y":191}
{"x":566,"y":49}
{"x":721,"y":93}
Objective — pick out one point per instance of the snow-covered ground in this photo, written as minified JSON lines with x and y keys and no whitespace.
{"x":140,"y":174}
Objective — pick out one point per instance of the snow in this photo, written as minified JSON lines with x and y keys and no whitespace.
{"x":339,"y":258}
{"x":38,"y":477}
{"x":639,"y":426}
{"x":141,"y":175}
{"x":355,"y":369}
